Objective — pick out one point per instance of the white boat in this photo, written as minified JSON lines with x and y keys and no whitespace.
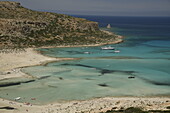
{"x":18,"y":98}
{"x":107,"y":48}
{"x":87,"y":52}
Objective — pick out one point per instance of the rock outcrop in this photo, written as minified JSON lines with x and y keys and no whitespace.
{"x":21,"y":27}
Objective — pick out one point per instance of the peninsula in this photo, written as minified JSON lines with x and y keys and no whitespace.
{"x":24,"y":28}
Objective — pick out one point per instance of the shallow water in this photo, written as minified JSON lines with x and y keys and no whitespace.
{"x":142,"y":68}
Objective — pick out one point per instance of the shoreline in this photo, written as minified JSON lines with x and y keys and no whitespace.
{"x":32,"y":58}
{"x":119,"y":39}
{"x":12,"y":63}
{"x":90,"y":106}
{"x":10,"y":68}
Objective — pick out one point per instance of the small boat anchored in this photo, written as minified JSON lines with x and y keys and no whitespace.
{"x":87,"y":52}
{"x":107,"y":48}
{"x":17,"y":98}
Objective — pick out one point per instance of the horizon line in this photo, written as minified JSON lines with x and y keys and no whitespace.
{"x":73,"y":14}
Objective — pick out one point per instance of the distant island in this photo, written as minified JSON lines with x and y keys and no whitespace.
{"x":22,"y":28}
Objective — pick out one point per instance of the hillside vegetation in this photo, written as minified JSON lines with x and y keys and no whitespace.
{"x":21,"y":28}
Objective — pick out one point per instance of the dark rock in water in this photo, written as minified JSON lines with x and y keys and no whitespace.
{"x":131,"y":77}
{"x":106,"y":71}
{"x":8,"y":72}
{"x":88,"y":79}
{"x":155,"y":82}
{"x":7,"y":108}
{"x":159,"y":83}
{"x":60,"y":78}
{"x":103,"y":85}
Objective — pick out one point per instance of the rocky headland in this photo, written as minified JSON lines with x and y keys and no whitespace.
{"x":22,"y":28}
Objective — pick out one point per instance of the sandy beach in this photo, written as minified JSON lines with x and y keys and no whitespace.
{"x":12,"y":63}
{"x":89,"y":106}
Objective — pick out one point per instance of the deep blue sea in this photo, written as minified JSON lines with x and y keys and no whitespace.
{"x":141,"y":68}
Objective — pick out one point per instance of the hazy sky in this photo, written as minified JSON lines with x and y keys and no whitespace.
{"x":102,"y":7}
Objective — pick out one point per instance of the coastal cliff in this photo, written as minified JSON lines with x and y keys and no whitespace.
{"x":21,"y":27}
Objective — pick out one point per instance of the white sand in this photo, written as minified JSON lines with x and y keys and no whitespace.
{"x":11,"y":63}
{"x":89,"y":106}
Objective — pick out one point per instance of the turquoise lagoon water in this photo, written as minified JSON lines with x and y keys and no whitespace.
{"x":145,"y":56}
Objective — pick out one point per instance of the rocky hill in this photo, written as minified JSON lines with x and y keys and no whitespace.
{"x":21,"y":27}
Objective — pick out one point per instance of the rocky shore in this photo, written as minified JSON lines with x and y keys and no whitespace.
{"x":24,"y":28}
